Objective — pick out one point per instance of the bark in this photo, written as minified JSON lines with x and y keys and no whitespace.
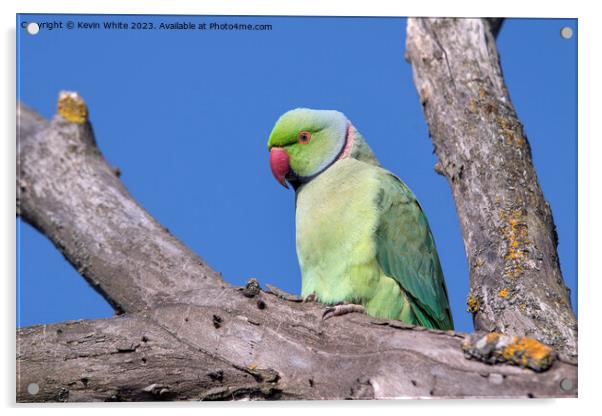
{"x":223,"y":345}
{"x":509,"y":234}
{"x":67,"y":190}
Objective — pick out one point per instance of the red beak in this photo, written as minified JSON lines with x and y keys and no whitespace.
{"x":279,"y":164}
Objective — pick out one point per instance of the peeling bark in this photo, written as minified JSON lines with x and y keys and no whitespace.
{"x":509,"y":234}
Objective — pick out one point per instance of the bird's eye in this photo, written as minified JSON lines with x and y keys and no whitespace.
{"x":304,"y":137}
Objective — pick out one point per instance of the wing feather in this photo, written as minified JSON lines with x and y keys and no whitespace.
{"x":406,"y":252}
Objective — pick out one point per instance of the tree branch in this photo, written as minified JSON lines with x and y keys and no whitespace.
{"x":509,"y":234}
{"x":229,"y":349}
{"x":66,"y":190}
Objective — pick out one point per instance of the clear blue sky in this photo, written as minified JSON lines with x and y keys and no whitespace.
{"x":169,"y":108}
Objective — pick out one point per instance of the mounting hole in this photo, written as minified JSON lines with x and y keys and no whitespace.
{"x":33,"y":388}
{"x":566,"y":384}
{"x":33,"y":28}
{"x":566,"y":32}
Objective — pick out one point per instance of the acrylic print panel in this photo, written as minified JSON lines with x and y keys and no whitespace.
{"x":160,"y":259}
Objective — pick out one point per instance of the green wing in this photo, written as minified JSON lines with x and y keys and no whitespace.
{"x":406,"y":252}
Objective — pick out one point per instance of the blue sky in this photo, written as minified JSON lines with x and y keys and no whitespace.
{"x":186,"y":115}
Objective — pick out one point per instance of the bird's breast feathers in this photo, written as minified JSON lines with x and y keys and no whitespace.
{"x":336,"y":219}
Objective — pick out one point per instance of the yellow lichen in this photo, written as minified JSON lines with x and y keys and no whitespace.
{"x":495,"y":347}
{"x":492,"y":337}
{"x":503,"y":292}
{"x":527,"y":351}
{"x":502,"y":122}
{"x":71,"y":107}
{"x":252,"y":366}
{"x":515,"y":234}
{"x":473,"y":304}
{"x":509,"y":132}
{"x":520,"y":140}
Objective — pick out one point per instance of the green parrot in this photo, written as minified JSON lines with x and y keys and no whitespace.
{"x":363,"y":241}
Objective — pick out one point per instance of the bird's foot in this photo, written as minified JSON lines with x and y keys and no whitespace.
{"x":310,"y":298}
{"x":342,"y":309}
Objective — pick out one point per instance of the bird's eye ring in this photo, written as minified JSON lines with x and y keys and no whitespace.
{"x":304,"y":137}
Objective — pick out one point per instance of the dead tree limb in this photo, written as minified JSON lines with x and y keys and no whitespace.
{"x":226,"y":346}
{"x":67,"y":190}
{"x":509,"y":234}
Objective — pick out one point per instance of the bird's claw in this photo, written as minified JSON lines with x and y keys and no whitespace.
{"x":342,"y":309}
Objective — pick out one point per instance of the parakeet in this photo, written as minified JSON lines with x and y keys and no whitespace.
{"x":363,"y":241}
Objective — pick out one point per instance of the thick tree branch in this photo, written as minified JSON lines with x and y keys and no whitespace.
{"x":229,"y":349}
{"x":509,"y":234}
{"x":66,"y":190}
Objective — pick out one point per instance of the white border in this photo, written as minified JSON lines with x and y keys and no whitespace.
{"x":589,"y":171}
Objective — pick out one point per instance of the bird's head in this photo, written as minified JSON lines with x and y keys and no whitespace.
{"x":305,"y":142}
